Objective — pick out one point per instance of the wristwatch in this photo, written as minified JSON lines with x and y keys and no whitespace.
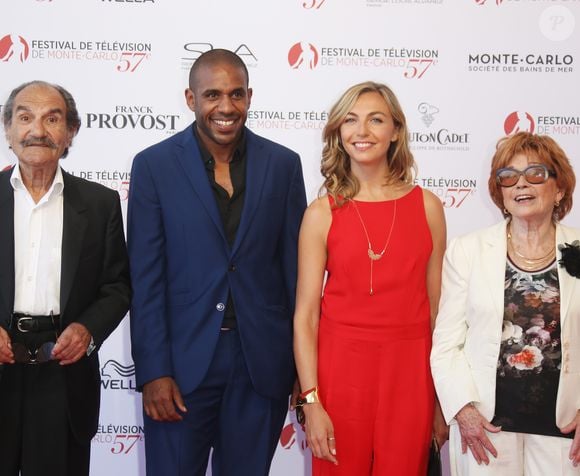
{"x":91,"y":346}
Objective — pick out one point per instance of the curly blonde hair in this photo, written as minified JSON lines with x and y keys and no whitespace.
{"x":339,"y":182}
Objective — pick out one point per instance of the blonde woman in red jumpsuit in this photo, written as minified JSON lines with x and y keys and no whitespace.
{"x":369,"y":272}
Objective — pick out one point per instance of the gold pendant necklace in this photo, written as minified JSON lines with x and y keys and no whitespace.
{"x":530,"y":264}
{"x":372,"y":255}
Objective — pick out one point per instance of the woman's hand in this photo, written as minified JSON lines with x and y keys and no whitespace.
{"x":473,"y":427}
{"x":440,"y":428}
{"x":574,"y":454}
{"x":320,"y":432}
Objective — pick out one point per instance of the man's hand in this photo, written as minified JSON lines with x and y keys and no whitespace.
{"x":72,"y":344}
{"x":6,"y":354}
{"x":160,"y":397}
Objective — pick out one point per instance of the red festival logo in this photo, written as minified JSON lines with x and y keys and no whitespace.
{"x":290,"y":435}
{"x":303,"y":54}
{"x":519,"y":121}
{"x":13,"y":46}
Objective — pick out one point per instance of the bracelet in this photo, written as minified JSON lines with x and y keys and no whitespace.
{"x":309,"y":391}
{"x":309,"y":396}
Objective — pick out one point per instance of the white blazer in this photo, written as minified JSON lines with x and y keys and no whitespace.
{"x":468,"y":330}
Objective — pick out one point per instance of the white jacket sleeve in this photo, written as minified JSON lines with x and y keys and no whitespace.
{"x":449,"y":364}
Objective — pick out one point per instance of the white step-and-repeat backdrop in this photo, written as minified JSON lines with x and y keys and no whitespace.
{"x":466,"y":71}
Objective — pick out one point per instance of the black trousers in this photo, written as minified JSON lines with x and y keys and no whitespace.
{"x":35,"y":435}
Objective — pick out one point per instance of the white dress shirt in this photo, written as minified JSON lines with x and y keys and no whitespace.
{"x":37,"y":247}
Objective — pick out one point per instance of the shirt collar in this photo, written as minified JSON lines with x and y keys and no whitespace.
{"x":55,"y":189}
{"x":206,"y":156}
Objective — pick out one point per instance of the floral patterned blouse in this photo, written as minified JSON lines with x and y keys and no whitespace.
{"x":528,"y":367}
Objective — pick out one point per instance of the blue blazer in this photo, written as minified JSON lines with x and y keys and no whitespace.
{"x":182,"y":266}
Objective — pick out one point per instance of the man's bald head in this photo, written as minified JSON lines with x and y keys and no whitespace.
{"x":213,"y":57}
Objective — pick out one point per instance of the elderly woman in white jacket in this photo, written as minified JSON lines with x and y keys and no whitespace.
{"x":506,"y":346}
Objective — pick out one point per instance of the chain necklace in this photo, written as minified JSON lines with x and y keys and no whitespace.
{"x":372,"y":255}
{"x":530,"y":264}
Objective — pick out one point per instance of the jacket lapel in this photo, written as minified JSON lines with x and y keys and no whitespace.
{"x":189,"y":158}
{"x":256,"y":169}
{"x":73,"y":233}
{"x":493,"y":265}
{"x":566,"y":281}
{"x":7,"y":246}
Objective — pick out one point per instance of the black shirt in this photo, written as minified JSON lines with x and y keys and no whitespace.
{"x":230,"y":208}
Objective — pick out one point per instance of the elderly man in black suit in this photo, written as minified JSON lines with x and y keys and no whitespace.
{"x":64,"y":287}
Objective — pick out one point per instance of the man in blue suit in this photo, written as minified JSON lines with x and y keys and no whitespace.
{"x":213,"y":221}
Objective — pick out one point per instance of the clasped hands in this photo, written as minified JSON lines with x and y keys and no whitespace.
{"x":70,"y":346}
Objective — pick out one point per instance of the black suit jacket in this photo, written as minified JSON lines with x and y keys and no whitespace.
{"x":94,"y":290}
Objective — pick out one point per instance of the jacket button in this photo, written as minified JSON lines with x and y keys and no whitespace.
{"x":220,"y":306}
{"x":232,"y":267}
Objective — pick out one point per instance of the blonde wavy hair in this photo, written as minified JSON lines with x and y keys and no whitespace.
{"x":339,"y":182}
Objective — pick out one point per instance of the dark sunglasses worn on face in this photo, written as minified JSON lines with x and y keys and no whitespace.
{"x":534,"y":174}
{"x":23,"y":355}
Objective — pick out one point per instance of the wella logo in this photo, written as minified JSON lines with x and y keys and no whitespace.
{"x":116,"y":376}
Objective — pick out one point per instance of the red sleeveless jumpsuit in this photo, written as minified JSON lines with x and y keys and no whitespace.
{"x":373,"y":351}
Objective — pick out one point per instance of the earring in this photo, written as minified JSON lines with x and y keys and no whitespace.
{"x":556,"y":204}
{"x":505,"y":212}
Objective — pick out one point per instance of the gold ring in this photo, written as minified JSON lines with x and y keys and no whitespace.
{"x":331,"y":438}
